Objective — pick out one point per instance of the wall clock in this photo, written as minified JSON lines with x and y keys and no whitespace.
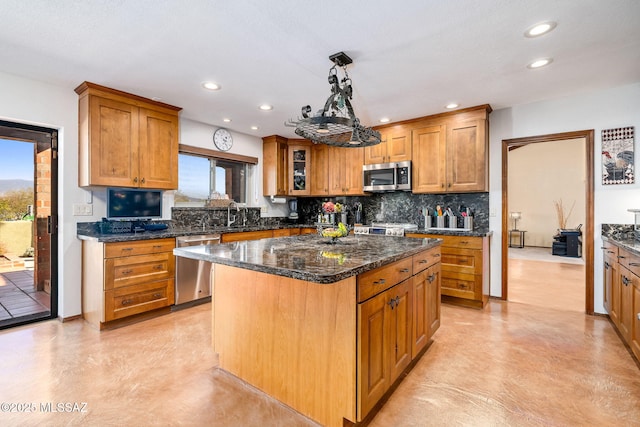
{"x":222,"y":139}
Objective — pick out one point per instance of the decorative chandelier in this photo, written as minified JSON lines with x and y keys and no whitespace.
{"x":336,"y":124}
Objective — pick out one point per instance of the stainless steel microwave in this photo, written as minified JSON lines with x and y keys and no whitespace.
{"x":387,"y":177}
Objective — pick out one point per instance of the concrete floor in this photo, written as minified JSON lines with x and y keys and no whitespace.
{"x":510,"y":364}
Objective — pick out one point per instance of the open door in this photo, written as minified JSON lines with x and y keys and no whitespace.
{"x":28,"y":225}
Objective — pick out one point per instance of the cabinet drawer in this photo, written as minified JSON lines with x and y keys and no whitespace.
{"x":610,"y":251}
{"x":630,"y":261}
{"x":426,"y":259}
{"x":461,"y":285}
{"x":130,"y":300}
{"x":462,"y":260}
{"x":139,"y":247}
{"x":462,"y":242}
{"x":126,"y":271}
{"x":375,"y":281}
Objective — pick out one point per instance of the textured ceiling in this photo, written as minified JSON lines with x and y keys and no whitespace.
{"x":410,"y":57}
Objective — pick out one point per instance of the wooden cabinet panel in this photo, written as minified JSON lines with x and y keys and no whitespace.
{"x":426,"y":307}
{"x":158,"y":152}
{"x":345,"y":171}
{"x":395,"y":146}
{"x":625,"y":318}
{"x":375,"y":322}
{"x":130,"y":300}
{"x":126,"y":271}
{"x":635,"y":336}
{"x":126,"y":140}
{"x":429,"y":159}
{"x":319,"y":177}
{"x":375,"y":281}
{"x":467,"y":151}
{"x":138,"y":247}
{"x":425,"y":259}
{"x":246,"y":235}
{"x":113,"y":128}
{"x":400,"y":301}
{"x":467,"y":261}
{"x":275,"y":154}
{"x":281,"y":232}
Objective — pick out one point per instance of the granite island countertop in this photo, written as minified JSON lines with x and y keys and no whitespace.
{"x":310,"y":257}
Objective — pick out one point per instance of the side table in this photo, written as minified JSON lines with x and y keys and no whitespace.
{"x":520,"y":235}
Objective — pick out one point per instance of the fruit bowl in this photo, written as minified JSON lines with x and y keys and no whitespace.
{"x":334,"y":233}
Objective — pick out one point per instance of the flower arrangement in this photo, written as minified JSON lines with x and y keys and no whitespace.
{"x":328,"y":207}
{"x":338,"y":207}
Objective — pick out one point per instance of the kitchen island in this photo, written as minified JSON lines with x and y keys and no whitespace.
{"x":327,"y":329}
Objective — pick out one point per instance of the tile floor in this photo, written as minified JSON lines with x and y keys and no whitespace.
{"x":19,"y":299}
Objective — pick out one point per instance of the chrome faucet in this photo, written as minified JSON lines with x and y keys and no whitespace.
{"x":231,"y":218}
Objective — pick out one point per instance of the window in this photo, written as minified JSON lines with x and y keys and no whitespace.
{"x":203,"y":173}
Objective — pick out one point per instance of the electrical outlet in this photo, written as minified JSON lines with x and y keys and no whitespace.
{"x":264,"y":209}
{"x":492,"y":212}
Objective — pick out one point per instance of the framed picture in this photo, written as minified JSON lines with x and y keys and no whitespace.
{"x":617,"y":156}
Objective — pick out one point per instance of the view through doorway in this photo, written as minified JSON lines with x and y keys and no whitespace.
{"x":28,"y":285}
{"x":537,"y":268}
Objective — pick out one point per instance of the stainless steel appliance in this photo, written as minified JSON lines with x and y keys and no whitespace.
{"x":293,"y":209}
{"x":193,"y":276}
{"x":387,"y":177}
{"x":385,"y":228}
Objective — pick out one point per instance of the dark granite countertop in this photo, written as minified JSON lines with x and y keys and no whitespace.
{"x":624,"y":241}
{"x":173,"y":232}
{"x":310,"y":257}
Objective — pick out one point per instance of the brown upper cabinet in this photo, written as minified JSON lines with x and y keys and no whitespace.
{"x":275,"y":154}
{"x":345,"y":171}
{"x":395,"y":146}
{"x":450,"y":152}
{"x":299,"y":155}
{"x":126,"y":140}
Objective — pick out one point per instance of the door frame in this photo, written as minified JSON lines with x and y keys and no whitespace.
{"x":42,"y":135}
{"x":588,"y":231}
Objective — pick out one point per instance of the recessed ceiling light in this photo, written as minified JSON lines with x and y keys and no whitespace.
{"x":385,"y":120}
{"x":538,"y":63}
{"x":540,"y":29}
{"x":451,"y":106}
{"x":254,"y":127}
{"x":211,"y":86}
{"x":266,"y":107}
{"x":226,"y":120}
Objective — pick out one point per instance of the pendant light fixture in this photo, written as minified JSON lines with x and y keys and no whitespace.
{"x":336,"y":124}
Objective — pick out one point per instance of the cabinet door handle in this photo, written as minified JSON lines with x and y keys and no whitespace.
{"x":157,"y":295}
{"x":423,"y":261}
{"x":404,"y":270}
{"x":634,"y":264}
{"x":126,"y":301}
{"x":135,"y":180}
{"x":606,"y":265}
{"x":625,"y":280}
{"x":142,"y":180}
{"x":157,"y":246}
{"x":621,"y":256}
{"x":127,"y":249}
{"x":464,"y":242}
{"x":379,"y":282}
{"x":391,"y":303}
{"x":431,"y":278}
{"x":157,"y":267}
{"x":127,"y":271}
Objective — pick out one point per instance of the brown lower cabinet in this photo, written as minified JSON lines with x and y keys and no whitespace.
{"x":398,"y":312}
{"x":622,"y":293}
{"x":123,"y":279}
{"x":465,"y":269}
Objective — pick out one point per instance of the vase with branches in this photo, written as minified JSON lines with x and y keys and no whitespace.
{"x":561,"y":214}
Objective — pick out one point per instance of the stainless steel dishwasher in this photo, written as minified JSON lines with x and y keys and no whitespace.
{"x":192,"y":276}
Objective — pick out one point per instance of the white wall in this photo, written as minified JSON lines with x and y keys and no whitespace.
{"x":598,"y":110}
{"x":539,"y":175}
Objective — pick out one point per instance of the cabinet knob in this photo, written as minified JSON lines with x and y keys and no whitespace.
{"x":379,"y":282}
{"x":431,"y":278}
{"x":142,"y":180}
{"x":135,"y":180}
